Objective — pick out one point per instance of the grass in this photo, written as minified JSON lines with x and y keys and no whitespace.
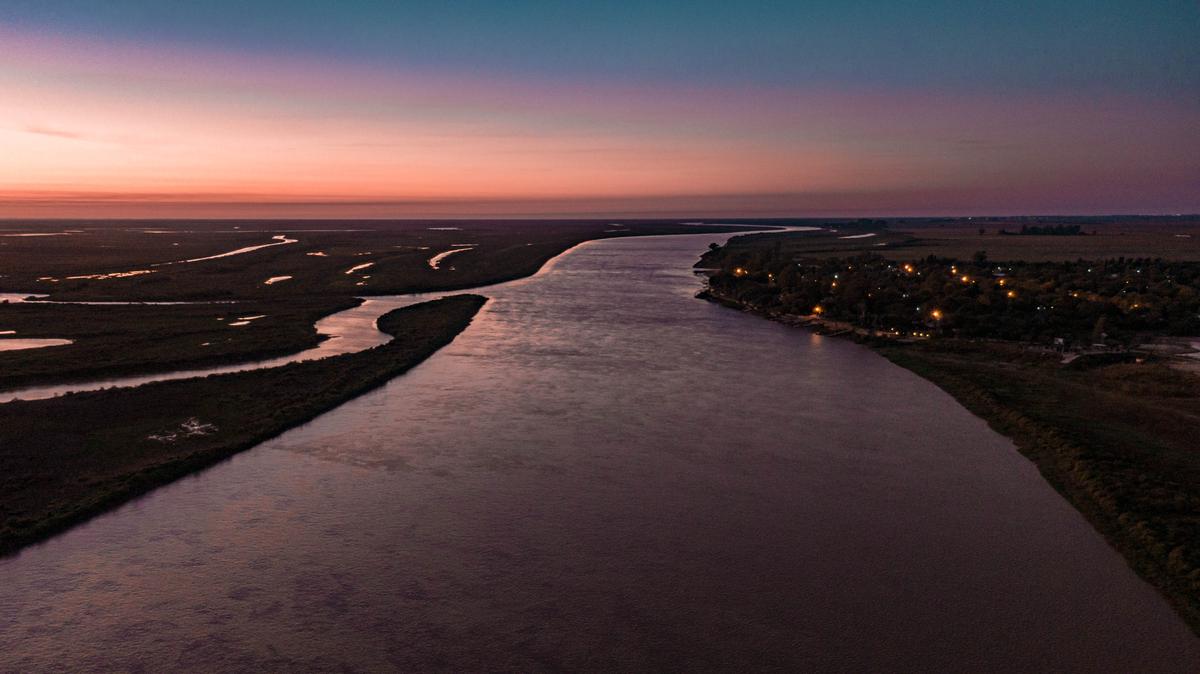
{"x":64,"y":459}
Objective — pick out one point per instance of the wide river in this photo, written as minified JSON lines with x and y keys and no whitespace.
{"x":603,"y":472}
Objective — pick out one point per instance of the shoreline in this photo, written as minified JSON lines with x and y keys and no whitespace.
{"x":174,"y":429}
{"x":1064,"y":465}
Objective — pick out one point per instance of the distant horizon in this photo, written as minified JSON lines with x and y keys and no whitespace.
{"x":767,"y":207}
{"x":710,"y":219}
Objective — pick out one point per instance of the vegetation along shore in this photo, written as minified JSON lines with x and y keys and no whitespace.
{"x":69,"y":457}
{"x":1088,"y":365}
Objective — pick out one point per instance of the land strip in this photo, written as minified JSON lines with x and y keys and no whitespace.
{"x":64,"y":459}
{"x":122,"y":340}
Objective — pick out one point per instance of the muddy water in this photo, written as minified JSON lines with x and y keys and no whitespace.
{"x":604,"y":473}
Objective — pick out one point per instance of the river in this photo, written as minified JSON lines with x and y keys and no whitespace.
{"x":603,"y":472}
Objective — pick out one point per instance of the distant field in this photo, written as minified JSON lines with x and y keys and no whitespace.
{"x":1176,"y":239}
{"x":387,"y":257}
{"x":1176,"y":243}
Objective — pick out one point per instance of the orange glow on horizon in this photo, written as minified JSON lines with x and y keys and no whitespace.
{"x":104,"y":129}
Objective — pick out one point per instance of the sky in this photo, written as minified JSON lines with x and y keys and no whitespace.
{"x":524,"y":108}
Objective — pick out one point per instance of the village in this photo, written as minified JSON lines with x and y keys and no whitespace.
{"x":1078,"y":309}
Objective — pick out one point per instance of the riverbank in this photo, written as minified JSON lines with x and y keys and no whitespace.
{"x":67,"y":458}
{"x":1115,"y":440}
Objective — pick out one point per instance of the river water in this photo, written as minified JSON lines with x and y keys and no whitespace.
{"x":603,"y":472}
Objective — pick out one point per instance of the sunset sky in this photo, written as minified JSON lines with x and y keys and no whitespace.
{"x":381,"y":109}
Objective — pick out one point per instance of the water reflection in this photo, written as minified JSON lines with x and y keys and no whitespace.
{"x":277,"y":240}
{"x":21,"y":343}
{"x":604,"y":473}
{"x":436,"y":260}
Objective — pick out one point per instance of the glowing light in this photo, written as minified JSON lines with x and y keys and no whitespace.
{"x":937,"y":314}
{"x":1012,"y":294}
{"x":818,"y":309}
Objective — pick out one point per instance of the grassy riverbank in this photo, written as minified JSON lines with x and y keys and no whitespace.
{"x":64,"y":459}
{"x":1117,"y":440}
